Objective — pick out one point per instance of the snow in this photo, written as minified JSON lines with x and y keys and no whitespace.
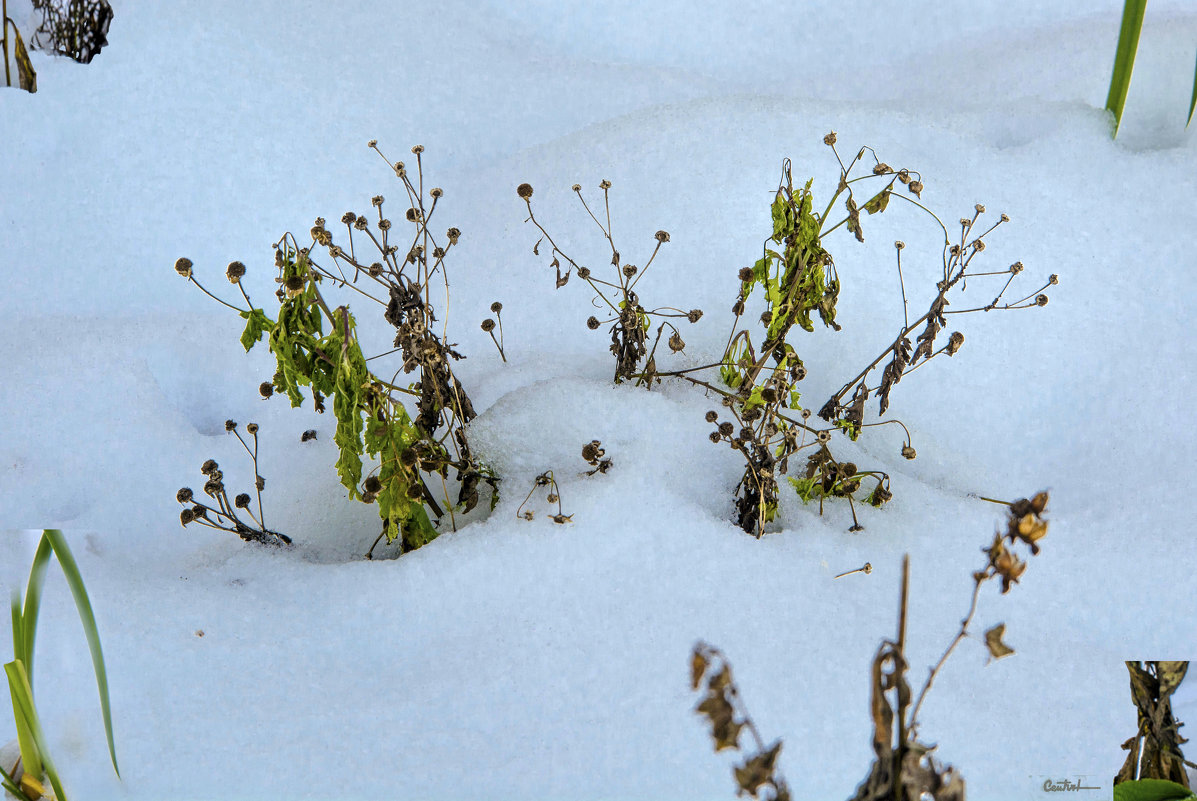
{"x":516,"y":659}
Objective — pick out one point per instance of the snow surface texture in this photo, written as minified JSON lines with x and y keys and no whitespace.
{"x":516,"y":659}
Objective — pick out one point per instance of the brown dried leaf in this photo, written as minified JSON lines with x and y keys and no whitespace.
{"x":698,"y":666}
{"x":993,"y":641}
{"x":758,"y":770}
{"x":1170,"y":675}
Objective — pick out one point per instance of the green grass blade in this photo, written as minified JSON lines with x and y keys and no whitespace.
{"x":7,"y":784}
{"x":22,"y":694}
{"x":1124,"y":57}
{"x":71,"y":570}
{"x":33,"y":604}
{"x":1193,"y":102}
{"x":25,"y":717}
{"x":18,"y":626}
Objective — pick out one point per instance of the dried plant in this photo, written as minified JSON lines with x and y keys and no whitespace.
{"x":224,"y":514}
{"x":904,"y":768}
{"x":1155,"y":749}
{"x":630,"y":322}
{"x":10,"y":37}
{"x":412,"y":449}
{"x":553,"y":495}
{"x":77,"y":29}
{"x":758,"y":775}
{"x":758,"y":378}
{"x":488,"y":325}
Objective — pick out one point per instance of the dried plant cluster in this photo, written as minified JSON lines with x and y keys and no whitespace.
{"x":224,"y":515}
{"x":316,"y":346}
{"x":593,"y":453}
{"x":903,"y":769}
{"x":758,"y":376}
{"x":77,"y":29}
{"x":757,"y":775}
{"x":1155,"y":748}
{"x":629,"y":321}
{"x":12,"y":42}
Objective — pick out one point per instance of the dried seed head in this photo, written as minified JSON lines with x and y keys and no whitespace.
{"x":747,"y":434}
{"x":438,"y":253}
{"x":348,"y":218}
{"x":577,"y":187}
{"x":806,"y":414}
{"x":766,"y":317}
{"x":899,"y":244}
{"x":746,"y":274}
{"x":593,"y":323}
{"x":252,"y":428}
{"x":183,"y":267}
{"x":265,"y":389}
{"x":184,"y":495}
{"x":372,"y":143}
{"x":320,"y":222}
{"x":409,"y":458}
{"x":488,"y":325}
{"x":369,"y":497}
{"x":799,"y":373}
{"x":980,"y":209}
{"x":561,"y":518}
{"x":829,"y":140}
{"x":377,"y":201}
{"x":241,"y":501}
{"x":361,"y":224}
{"x":1054,"y":279}
{"x":418,"y":149}
{"x":694,"y":315}
{"x":524,"y":191}
{"x":496,"y":307}
{"x":583,"y":273}
{"x":412,"y":215}
{"x":904,"y":176}
{"x":738,"y":308}
{"x":769,"y":394}
{"x":453,"y":234}
{"x":592,"y":450}
{"x":213,"y":487}
{"x":260,"y":483}
{"x":726,"y":429}
{"x":604,"y":184}
{"x":209,"y":466}
{"x":436,"y":191}
{"x":882,"y":169}
{"x":186,"y":516}
{"x":714,"y":436}
{"x":954,"y":342}
{"x":847,"y":469}
{"x":230,"y":425}
{"x":414,"y":492}
{"x":310,"y":434}
{"x":662,"y":236}
{"x":385,"y":225}
{"x":965,"y":221}
{"x":823,"y":436}
{"x":1005,"y":217}
{"x":1041,"y":300}
{"x":908,"y":452}
{"x":373,"y":484}
{"x":294,"y":284}
{"x":374,"y":269}
{"x":916,"y":188}
{"x":234,"y":272}
{"x":400,"y":169}
{"x":978,"y":245}
{"x":676,"y":343}
{"x":1016,"y":268}
{"x":954,"y":250}
{"x":629,"y":270}
{"x":712,"y":416}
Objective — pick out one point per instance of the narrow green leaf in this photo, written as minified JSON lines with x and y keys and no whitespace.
{"x":75,"y":581}
{"x":25,"y":716}
{"x":1124,"y":58}
{"x":1193,"y":102}
{"x":33,"y":603}
{"x":7,"y":784}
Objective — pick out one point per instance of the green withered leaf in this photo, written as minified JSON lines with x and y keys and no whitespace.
{"x":879,"y":201}
{"x":257,"y":323}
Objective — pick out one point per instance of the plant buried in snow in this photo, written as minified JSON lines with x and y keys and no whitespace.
{"x":630,"y":321}
{"x":545,"y":479}
{"x":758,"y":776}
{"x":760,"y":379}
{"x":316,"y":346}
{"x":223,"y":515}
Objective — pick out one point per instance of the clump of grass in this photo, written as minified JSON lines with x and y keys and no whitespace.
{"x":25,"y":779}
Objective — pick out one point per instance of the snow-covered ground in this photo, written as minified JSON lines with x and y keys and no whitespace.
{"x":527,"y":660}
